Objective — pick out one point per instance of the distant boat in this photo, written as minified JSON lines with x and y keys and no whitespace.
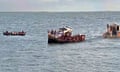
{"x":113,"y":31}
{"x":64,"y":35}
{"x":22,"y":33}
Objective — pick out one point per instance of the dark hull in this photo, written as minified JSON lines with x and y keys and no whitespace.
{"x":67,"y":39}
{"x":12,"y":34}
{"x":57,"y":41}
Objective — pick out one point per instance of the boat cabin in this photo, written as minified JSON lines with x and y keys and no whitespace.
{"x":65,"y":31}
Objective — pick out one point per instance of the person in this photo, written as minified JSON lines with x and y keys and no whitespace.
{"x":108,"y":28}
{"x":22,"y":31}
{"x":52,"y":31}
{"x":117,"y":27}
{"x":114,"y":31}
{"x":107,"y":25}
{"x":6,"y":31}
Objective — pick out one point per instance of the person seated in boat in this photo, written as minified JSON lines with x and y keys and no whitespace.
{"x":22,"y":31}
{"x":52,"y":31}
{"x":6,"y":32}
{"x":49,"y":32}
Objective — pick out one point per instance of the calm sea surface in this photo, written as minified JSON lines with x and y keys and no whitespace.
{"x":32,"y":53}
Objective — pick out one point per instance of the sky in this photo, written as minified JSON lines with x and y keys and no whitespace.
{"x":59,"y":5}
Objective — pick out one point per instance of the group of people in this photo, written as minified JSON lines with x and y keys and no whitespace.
{"x":59,"y":33}
{"x":112,"y":29}
{"x":14,"y":33}
{"x":55,"y":33}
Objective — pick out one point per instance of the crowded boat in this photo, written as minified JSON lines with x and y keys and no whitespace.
{"x":112,"y":31}
{"x":22,"y":33}
{"x":64,"y":35}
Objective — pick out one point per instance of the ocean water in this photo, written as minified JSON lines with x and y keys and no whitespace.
{"x":32,"y":53}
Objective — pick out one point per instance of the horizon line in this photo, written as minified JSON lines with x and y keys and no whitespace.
{"x":58,"y":11}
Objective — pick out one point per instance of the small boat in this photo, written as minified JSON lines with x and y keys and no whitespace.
{"x":64,"y":35}
{"x":22,"y":33}
{"x":113,"y":31}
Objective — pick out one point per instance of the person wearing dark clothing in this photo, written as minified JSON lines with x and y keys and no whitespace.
{"x":114,"y":31}
{"x":117,"y":27}
{"x":107,"y":25}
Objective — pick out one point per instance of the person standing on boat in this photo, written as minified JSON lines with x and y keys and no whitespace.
{"x":110,"y":30}
{"x":114,"y":30}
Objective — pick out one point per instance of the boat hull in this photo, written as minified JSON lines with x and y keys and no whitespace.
{"x":105,"y":35}
{"x":70,"y":39}
{"x":14,"y":34}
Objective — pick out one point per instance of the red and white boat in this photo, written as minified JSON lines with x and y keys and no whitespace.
{"x":64,"y":35}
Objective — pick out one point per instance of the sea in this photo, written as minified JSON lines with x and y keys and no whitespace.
{"x":32,"y":53}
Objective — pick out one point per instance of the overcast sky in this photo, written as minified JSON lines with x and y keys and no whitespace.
{"x":59,"y":5}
